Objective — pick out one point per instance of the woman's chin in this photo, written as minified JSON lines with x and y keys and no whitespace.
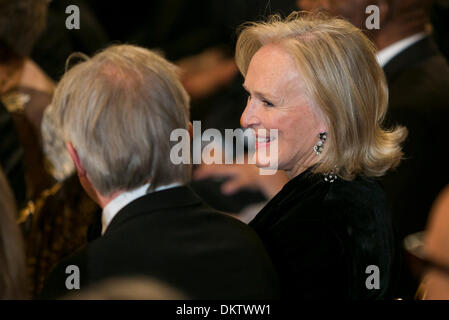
{"x":262,"y":165}
{"x":267,"y":163}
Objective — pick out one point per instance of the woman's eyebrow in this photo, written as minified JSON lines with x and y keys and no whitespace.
{"x":260,"y":94}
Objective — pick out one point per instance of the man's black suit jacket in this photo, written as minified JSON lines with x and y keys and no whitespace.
{"x":418,"y":81}
{"x":172,"y":236}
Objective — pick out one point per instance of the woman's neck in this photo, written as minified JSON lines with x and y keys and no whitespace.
{"x":302,"y":166}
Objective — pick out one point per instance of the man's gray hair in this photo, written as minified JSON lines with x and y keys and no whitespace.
{"x":118,"y":110}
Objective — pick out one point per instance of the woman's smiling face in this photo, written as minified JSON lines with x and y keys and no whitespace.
{"x":277,"y":100}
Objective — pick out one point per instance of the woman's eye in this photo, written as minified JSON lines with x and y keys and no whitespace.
{"x":267,"y":103}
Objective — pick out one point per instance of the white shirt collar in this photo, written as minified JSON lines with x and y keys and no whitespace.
{"x":388,"y":53}
{"x":123,"y":199}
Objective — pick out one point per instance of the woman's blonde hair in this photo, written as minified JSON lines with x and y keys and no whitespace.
{"x":345,"y":83}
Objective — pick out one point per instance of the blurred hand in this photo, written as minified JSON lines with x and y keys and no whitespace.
{"x":205,"y":73}
{"x":242,"y":176}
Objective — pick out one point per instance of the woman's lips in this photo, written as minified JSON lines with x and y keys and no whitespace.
{"x":262,"y":142}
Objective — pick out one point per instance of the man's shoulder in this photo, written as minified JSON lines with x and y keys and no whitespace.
{"x":200,"y":220}
{"x":171,"y":235}
{"x":203,"y":241}
{"x":171,"y":208}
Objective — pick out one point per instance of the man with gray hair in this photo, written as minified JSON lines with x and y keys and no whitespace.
{"x":117,"y":111}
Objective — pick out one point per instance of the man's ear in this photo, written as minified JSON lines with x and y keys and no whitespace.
{"x":83,"y":178}
{"x":76,"y":160}
{"x":190,"y":129}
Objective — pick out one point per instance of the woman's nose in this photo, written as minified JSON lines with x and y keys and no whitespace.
{"x":249,"y":116}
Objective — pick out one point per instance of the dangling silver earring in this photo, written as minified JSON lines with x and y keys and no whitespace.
{"x":318,"y":148}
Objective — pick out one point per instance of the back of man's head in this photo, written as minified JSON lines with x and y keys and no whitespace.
{"x":118,"y":109}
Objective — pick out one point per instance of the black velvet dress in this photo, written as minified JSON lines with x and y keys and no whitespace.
{"x":322,"y":236}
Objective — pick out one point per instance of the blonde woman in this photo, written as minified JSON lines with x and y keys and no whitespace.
{"x":316,"y":80}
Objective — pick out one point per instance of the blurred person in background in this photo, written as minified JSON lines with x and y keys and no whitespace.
{"x":25,"y":90}
{"x":13,"y":276}
{"x":53,"y":210}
